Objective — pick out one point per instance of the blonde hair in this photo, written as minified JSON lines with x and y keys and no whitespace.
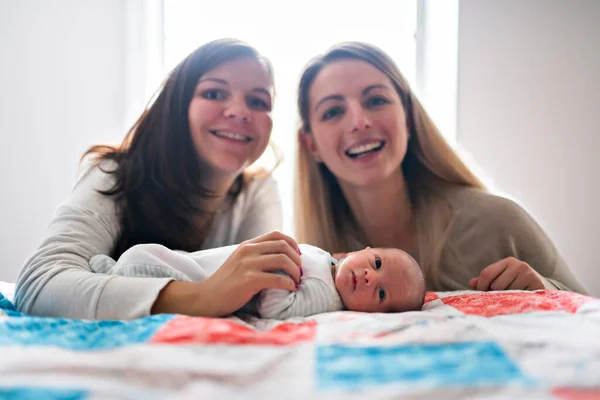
{"x":430,"y":165}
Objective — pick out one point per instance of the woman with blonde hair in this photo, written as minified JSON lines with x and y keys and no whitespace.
{"x":373,"y":170}
{"x":180,"y":179}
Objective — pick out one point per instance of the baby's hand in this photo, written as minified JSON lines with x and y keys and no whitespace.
{"x":338,"y":256}
{"x":508,"y":274}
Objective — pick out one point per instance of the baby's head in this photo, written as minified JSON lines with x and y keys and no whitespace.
{"x":380,"y":280}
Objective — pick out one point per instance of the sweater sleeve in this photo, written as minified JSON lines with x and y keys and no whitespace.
{"x":533,"y":246}
{"x":56,"y":281}
{"x":487,"y":229}
{"x":263,"y":213}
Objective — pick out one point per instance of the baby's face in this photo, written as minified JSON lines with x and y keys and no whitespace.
{"x":372,"y":280}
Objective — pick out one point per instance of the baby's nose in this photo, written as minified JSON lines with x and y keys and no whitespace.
{"x":369,"y":276}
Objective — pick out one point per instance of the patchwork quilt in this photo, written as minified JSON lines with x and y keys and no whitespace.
{"x":462,"y":345}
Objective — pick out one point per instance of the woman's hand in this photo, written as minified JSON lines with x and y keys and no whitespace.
{"x":246,"y":272}
{"x":508,"y":274}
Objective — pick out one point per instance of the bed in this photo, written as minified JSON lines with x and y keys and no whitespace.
{"x":462,"y":345}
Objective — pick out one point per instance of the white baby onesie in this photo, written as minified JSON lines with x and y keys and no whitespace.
{"x":316,"y":292}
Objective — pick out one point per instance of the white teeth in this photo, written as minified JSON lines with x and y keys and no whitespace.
{"x":364,"y":148}
{"x":232,"y":135}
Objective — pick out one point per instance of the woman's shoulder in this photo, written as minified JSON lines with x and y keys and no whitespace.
{"x":261,"y":189}
{"x":97,"y":175}
{"x":93,"y":179}
{"x":477,"y":203}
{"x":261,"y":184}
{"x":478,"y":215}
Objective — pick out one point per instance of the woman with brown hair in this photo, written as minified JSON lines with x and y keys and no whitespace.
{"x":373,"y":170}
{"x":180,"y":179}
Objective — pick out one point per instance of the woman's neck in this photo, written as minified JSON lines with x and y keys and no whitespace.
{"x":219,"y":185}
{"x":384,"y":212}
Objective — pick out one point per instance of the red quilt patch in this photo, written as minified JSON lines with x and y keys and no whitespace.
{"x":577,"y":393}
{"x":187,"y":330}
{"x":489,"y":304}
{"x":430,"y":296}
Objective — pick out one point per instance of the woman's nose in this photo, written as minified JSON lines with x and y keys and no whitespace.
{"x":358,"y":118}
{"x":237,"y":110}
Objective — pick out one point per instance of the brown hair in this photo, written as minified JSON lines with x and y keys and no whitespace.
{"x":322,"y":212}
{"x":158,"y":190}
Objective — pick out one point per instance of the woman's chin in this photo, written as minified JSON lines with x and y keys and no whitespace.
{"x":229,"y":166}
{"x":367,"y":180}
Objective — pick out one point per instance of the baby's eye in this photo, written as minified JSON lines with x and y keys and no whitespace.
{"x":377,"y":263}
{"x":381,"y":294}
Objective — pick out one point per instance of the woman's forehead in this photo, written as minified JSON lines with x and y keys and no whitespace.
{"x":249,"y":73}
{"x":346,"y":77}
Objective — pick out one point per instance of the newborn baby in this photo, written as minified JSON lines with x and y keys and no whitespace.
{"x":369,"y":280}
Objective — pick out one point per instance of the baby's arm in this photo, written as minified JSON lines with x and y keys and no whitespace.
{"x":149,"y":260}
{"x":312,"y":297}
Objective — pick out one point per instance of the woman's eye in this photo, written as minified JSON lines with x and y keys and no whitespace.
{"x":381,"y":294}
{"x":377,"y":101}
{"x":377,"y":263}
{"x":258,"y":104}
{"x":332,"y":113}
{"x":213,"y":94}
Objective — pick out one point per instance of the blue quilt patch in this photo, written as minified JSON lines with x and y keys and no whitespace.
{"x":455,"y":364}
{"x":41,"y":394}
{"x":7,"y":306}
{"x":77,"y":334}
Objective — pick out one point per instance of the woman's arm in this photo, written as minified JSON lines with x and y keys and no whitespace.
{"x":245,"y":273}
{"x":507,"y":237}
{"x":57,"y":281}
{"x":534,"y":247}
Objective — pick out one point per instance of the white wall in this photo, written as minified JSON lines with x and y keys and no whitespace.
{"x":61,"y":89}
{"x":528,"y":112}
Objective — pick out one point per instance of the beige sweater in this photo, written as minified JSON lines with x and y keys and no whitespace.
{"x":486,"y":229}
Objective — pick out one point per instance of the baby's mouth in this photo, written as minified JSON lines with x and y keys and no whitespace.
{"x":353,"y":281}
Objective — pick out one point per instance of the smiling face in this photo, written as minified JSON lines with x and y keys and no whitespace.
{"x":380,"y":280}
{"x":358,"y":124}
{"x":230,"y":115}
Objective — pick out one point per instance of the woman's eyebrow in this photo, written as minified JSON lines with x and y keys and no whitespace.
{"x":262,"y":91}
{"x":216,"y":80}
{"x":338,"y":97}
{"x":366,"y":90}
